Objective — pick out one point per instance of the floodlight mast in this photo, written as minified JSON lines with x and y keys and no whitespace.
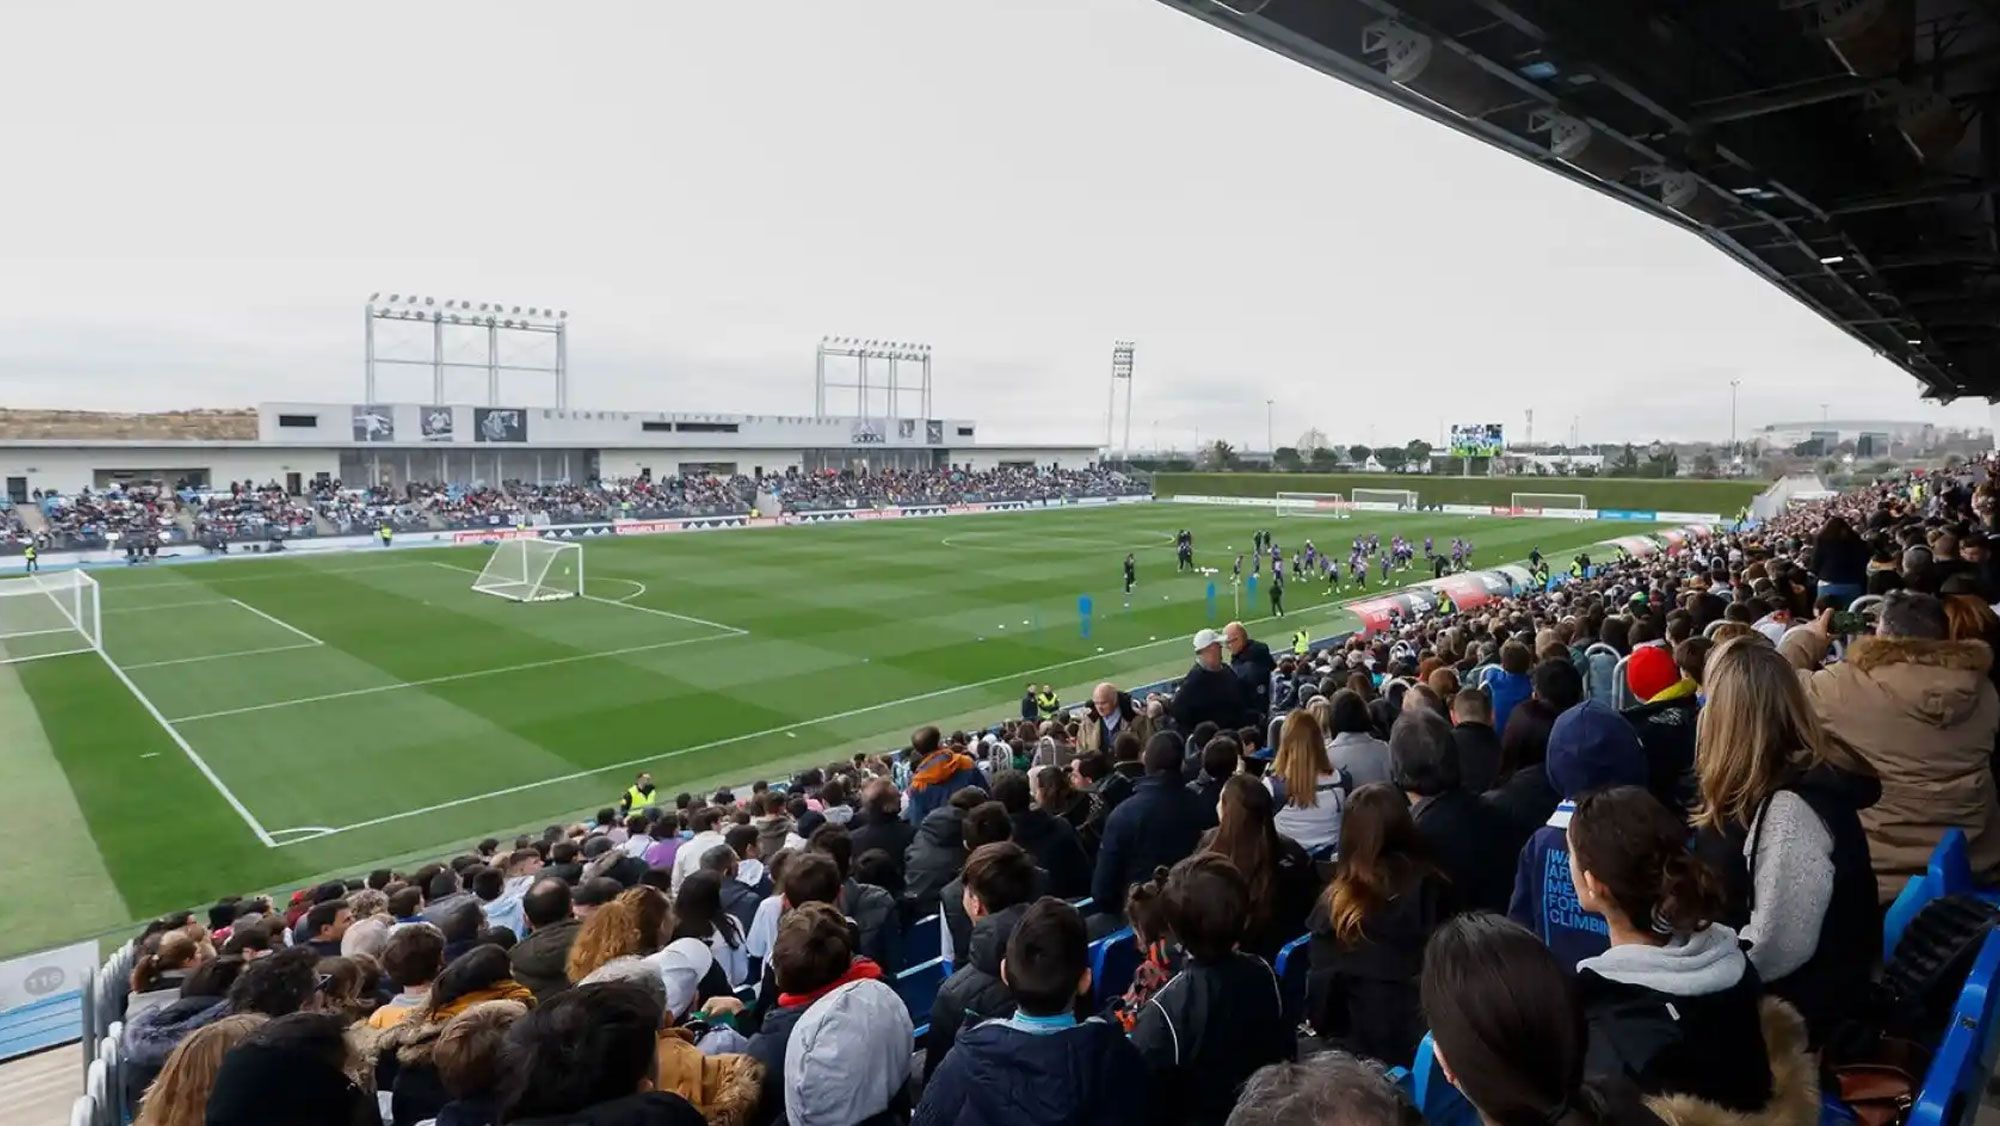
{"x":494,"y":317}
{"x":891,"y":390}
{"x":1121,"y":368}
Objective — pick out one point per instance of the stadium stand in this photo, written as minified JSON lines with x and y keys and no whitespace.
{"x":1785,"y":773}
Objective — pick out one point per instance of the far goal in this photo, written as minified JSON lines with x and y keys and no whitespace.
{"x":532,"y":570}
{"x":1401,"y":500}
{"x":1550,"y":504}
{"x":1329,"y":505}
{"x":48,"y":615}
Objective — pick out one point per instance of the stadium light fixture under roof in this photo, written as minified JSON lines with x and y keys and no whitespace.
{"x":459,"y":314}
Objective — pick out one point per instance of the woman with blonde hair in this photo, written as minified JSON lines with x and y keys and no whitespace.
{"x":636,"y":922}
{"x":179,"y":1097}
{"x":1309,"y":792}
{"x":1778,"y":816}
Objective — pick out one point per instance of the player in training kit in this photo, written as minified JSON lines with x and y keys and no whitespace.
{"x":1131,"y":574}
{"x":1439,"y":565}
{"x":1385,"y":570}
{"x":1278,"y":589}
{"x":1184,"y":549}
{"x":1236,"y":572}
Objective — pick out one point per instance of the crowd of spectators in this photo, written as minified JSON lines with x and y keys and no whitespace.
{"x":94,"y":517}
{"x":1639,"y":902}
{"x":805,"y":492}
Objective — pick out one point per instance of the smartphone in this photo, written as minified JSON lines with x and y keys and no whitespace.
{"x":1850,"y":624}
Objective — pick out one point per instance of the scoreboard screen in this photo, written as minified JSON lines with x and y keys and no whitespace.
{"x":1477,"y":439}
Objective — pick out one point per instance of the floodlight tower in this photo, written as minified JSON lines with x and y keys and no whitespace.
{"x":862,"y":351}
{"x":486,"y":321}
{"x":1121,"y":368}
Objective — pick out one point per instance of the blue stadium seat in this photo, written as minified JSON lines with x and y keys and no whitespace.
{"x":1948,"y":873}
{"x":43,"y":1024}
{"x":1437,"y":1100}
{"x":1957,"y":1075}
{"x":924,"y":940}
{"x":918,"y":987}
{"x":1113,"y":960}
{"x":1293,"y":963}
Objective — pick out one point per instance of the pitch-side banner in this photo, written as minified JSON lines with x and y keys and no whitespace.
{"x":39,"y":976}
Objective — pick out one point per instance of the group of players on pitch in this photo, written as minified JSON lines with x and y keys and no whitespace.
{"x":1399,"y":556}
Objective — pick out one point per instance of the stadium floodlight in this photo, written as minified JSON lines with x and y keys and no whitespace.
{"x":374,"y":296}
{"x":1833,"y":260}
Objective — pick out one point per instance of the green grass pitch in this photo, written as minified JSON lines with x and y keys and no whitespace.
{"x":369,"y":707}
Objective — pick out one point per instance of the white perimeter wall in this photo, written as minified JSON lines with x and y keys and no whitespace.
{"x":990,"y":457}
{"x":70,"y":470}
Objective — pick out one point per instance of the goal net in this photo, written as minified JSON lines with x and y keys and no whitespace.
{"x":532,"y":570}
{"x":1400,"y":499}
{"x":48,"y":615}
{"x":1331,"y":505}
{"x":1553,"y":504}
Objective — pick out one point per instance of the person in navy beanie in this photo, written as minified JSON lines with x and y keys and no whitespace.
{"x":1591,"y":747}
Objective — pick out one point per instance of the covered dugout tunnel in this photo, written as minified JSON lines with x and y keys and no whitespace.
{"x":1843,"y":149}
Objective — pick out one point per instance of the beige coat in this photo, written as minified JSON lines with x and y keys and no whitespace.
{"x":1089,"y":734}
{"x":1794,"y":1081}
{"x":1923,"y":714}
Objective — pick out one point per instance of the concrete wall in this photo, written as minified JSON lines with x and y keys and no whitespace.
{"x":69,"y":470}
{"x":631,"y":462}
{"x":990,"y":457}
{"x":408,"y":423}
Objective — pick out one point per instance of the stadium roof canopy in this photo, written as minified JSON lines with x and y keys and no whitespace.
{"x":1840,"y":148}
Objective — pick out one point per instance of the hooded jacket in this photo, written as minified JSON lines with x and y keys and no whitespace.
{"x":539,"y":960}
{"x":934,"y":857}
{"x":648,"y":1108}
{"x":1006,"y":1072}
{"x":153,"y":1035}
{"x":1923,"y":714}
{"x":774,"y":1037}
{"x":936,"y":779}
{"x":1678,"y":1019}
{"x":974,"y":991}
{"x":1056,"y":849}
{"x":872,"y":828}
{"x":1207,"y":1031}
{"x":1507,"y":690}
{"x":267,"y":1085}
{"x":1156,"y":827}
{"x":1794,"y":1080}
{"x":848,"y":1058}
{"x":1590,"y":747}
{"x":1666,"y":726}
{"x":875,"y":918}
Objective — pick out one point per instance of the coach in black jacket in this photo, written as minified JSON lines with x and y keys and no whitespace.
{"x":1210,"y":692}
{"x":1253,"y":665}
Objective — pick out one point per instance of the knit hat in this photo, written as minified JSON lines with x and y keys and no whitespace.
{"x":1651,"y":671}
{"x":1592,"y":747}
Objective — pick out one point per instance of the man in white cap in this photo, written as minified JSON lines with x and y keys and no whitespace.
{"x":1209,"y":691}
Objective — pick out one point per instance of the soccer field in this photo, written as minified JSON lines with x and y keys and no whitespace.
{"x":254,"y":723}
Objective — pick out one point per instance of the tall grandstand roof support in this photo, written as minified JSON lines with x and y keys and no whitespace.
{"x":880,"y":400}
{"x":486,"y":336}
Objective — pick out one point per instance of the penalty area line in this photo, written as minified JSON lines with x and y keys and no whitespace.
{"x":201,"y":764}
{"x":732,"y":631}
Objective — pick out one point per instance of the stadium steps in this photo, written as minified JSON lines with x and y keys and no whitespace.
{"x":38,"y":1090}
{"x":323,"y":526}
{"x":31,"y":518}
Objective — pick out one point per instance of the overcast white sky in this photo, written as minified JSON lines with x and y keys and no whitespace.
{"x":198,"y":198}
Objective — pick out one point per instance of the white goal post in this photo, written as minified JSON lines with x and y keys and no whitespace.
{"x":1557,"y":503}
{"x":1401,"y":499}
{"x":532,"y":570}
{"x":1331,"y":506}
{"x":49,"y":615}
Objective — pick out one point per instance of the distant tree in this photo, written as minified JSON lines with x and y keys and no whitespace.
{"x":1221,"y":455}
{"x":1357,"y":453}
{"x":1323,"y":458}
{"x":1666,"y":463}
{"x":1419,"y":452}
{"x":1314,"y":439}
{"x":1827,"y":467}
{"x":1626,"y":464}
{"x":1286,"y":459}
{"x":1705,"y":465}
{"x":1392,"y":457}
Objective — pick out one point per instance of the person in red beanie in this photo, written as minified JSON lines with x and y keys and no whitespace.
{"x":1668,"y":686}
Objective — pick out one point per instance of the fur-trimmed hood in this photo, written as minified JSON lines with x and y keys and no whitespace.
{"x":1794,"y":1080}
{"x":725,"y":1088}
{"x":1870,"y":653}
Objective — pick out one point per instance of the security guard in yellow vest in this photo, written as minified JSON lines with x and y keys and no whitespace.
{"x":642,"y":793}
{"x":1046,"y":702}
{"x":1301,"y":643}
{"x":385,"y":531}
{"x":31,"y":553}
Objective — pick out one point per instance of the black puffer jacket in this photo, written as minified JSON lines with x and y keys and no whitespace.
{"x":934,"y":857}
{"x":974,"y":991}
{"x":887,"y":831}
{"x":1056,"y":849}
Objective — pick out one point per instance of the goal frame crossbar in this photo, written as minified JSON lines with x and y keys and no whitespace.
{"x":78,"y":604}
{"x":520,"y":567}
{"x":1536,"y":502}
{"x":1405,"y":500}
{"x":1330,"y":506}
